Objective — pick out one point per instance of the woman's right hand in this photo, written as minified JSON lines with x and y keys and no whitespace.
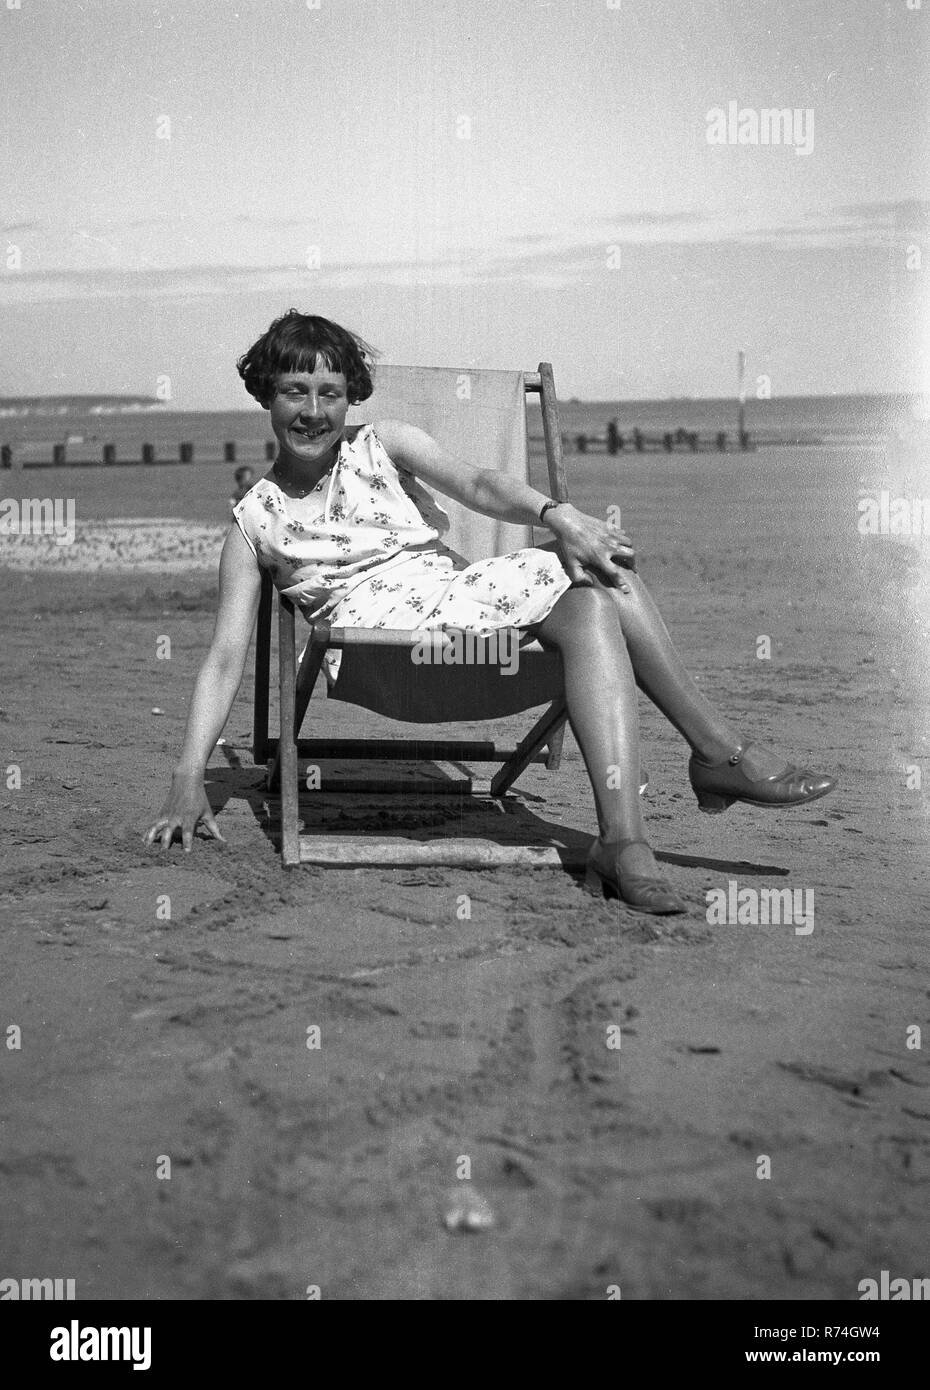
{"x":591,"y":549}
{"x":185,"y":806}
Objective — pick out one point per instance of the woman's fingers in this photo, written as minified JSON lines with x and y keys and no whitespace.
{"x":166,"y":827}
{"x":576,"y":572}
{"x":573,"y":563}
{"x":210,"y":822}
{"x":615,"y":573}
{"x":156,"y":831}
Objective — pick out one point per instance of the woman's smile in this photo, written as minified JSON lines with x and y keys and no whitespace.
{"x":308,"y":413}
{"x":311,"y":433}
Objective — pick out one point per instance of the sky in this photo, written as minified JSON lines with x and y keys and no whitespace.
{"x":466,"y":183}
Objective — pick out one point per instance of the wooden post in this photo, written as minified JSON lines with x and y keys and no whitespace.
{"x":741,"y":383}
{"x":148,"y":453}
{"x":287,"y":744}
{"x":6,"y":457}
{"x":262,"y":671}
{"x":271,"y":446}
{"x":550,"y":416}
{"x":186,"y":453}
{"x":59,"y":456}
{"x":558,"y":485}
{"x":229,"y":452}
{"x":109,"y":453}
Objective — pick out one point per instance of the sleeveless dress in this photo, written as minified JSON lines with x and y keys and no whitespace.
{"x":363,"y":549}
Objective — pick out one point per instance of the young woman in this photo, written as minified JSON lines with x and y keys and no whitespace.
{"x":347,"y":530}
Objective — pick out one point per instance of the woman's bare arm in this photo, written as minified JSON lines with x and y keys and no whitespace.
{"x":215,"y":690}
{"x":584,"y":542}
{"x":482,"y":489}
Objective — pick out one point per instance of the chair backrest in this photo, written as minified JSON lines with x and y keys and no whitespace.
{"x":480,"y":417}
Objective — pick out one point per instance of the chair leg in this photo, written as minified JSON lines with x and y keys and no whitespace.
{"x":309,"y":670}
{"x":287,"y":743}
{"x":262,"y":672}
{"x":556,"y":739}
{"x":306,"y":680}
{"x":545,"y":729}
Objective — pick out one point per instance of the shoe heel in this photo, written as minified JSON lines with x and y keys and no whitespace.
{"x":712,"y":803}
{"x":596,"y":885}
{"x":593,"y":883}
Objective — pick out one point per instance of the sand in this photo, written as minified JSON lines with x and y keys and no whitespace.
{"x":463,"y":1016}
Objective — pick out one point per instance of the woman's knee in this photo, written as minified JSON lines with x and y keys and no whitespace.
{"x":626,"y":596}
{"x":580,"y":610}
{"x":592,"y":601}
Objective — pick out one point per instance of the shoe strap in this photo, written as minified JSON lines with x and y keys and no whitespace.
{"x":620,"y":845}
{"x":733,"y":758}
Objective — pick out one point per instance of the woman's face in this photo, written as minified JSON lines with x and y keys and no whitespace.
{"x":308,"y":412}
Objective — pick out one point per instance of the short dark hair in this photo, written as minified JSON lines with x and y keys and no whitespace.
{"x":294,"y":342}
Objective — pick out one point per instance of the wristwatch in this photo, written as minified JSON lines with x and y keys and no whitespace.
{"x":545,"y":508}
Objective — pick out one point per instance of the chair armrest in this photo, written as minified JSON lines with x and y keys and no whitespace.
{"x":399,"y":637}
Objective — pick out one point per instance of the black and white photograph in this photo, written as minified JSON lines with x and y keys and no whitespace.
{"x":465,"y":661}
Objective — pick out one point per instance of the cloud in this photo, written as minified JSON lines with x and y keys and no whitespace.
{"x":649,"y":219}
{"x":536,"y":260}
{"x":907,"y":216}
{"x":194,"y":281}
{"x":856,"y":224}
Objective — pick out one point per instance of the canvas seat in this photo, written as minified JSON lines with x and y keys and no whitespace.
{"x":480,"y":417}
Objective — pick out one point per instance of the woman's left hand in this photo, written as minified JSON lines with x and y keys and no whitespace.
{"x":586,"y":544}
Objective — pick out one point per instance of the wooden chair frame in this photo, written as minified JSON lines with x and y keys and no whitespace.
{"x":296,"y":688}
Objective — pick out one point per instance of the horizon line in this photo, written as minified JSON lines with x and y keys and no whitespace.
{"x":166,"y":408}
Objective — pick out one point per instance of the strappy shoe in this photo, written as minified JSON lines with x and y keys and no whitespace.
{"x":718,"y":785}
{"x":638,"y":891}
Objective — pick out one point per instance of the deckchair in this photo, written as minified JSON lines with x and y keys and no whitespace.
{"x":480,"y":416}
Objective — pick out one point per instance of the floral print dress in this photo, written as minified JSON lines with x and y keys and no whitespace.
{"x":363,"y":549}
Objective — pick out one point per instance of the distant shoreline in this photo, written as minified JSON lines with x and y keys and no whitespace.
{"x":92,"y":404}
{"x":106,"y":431}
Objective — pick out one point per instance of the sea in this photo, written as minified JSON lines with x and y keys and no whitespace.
{"x":83,"y":426}
{"x":844,"y":437}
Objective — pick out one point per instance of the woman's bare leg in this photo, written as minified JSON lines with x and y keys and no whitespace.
{"x":601,"y":694}
{"x":661,"y":673}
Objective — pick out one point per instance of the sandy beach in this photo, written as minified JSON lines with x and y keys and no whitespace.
{"x":446,"y":1036}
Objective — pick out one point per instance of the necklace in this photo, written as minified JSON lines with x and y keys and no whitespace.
{"x":288,"y":485}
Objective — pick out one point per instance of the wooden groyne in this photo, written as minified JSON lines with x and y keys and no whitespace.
{"x":107,"y":456}
{"x":614,"y":441}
